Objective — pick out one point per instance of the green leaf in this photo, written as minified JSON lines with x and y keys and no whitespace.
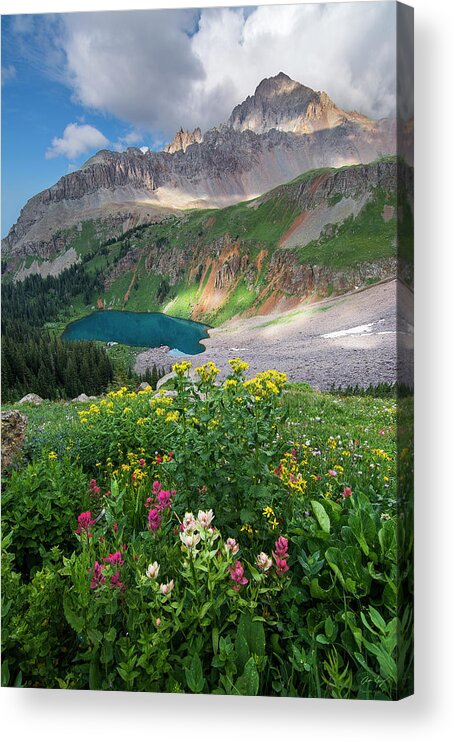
{"x":95,"y":636}
{"x":248,"y":683}
{"x":321,"y":516}
{"x":377,"y":619}
{"x":329,"y":627}
{"x":76,"y":622}
{"x":93,"y":673}
{"x":111,"y":634}
{"x":249,"y":640}
{"x":194,"y":675}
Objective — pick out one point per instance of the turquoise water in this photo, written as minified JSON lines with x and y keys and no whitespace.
{"x":145,"y":329}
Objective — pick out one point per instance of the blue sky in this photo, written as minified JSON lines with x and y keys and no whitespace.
{"x":74,"y":83}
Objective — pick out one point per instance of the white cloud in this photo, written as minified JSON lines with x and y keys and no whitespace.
{"x":77,"y":139}
{"x":157,"y":70}
{"x":346,"y":49}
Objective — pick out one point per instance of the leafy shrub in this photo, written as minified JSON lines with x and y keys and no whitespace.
{"x":38,"y":504}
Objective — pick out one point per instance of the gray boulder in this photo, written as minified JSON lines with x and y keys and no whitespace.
{"x":31,"y":399}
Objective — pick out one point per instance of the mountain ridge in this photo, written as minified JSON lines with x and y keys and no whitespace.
{"x":225,"y":165}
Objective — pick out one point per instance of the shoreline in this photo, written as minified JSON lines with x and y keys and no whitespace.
{"x":364,"y":338}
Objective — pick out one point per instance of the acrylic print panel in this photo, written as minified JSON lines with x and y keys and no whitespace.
{"x":207,"y":294}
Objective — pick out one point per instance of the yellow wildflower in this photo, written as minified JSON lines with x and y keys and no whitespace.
{"x":181,"y":367}
{"x":52,"y":456}
{"x":172,"y":417}
{"x":238,"y":366}
{"x":207,"y":372}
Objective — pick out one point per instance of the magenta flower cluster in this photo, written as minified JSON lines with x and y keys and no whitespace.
{"x":237,"y":575}
{"x":161,"y":500}
{"x":281,"y":555}
{"x":99,"y":578}
{"x":84,"y":523}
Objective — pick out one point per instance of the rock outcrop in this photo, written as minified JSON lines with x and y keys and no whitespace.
{"x":14,"y":426}
{"x":183,"y":139}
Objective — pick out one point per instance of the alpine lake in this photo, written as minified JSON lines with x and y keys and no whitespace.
{"x":141,"y":329}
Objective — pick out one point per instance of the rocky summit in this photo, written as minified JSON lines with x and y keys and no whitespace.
{"x":281,"y":131}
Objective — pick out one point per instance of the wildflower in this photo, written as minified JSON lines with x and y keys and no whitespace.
{"x":263,"y":561}
{"x":153,"y":570}
{"x":85,"y":521}
{"x":231,"y":546}
{"x":158,"y":622}
{"x":116,"y":582}
{"x":268,"y":512}
{"x":204,"y":518}
{"x":98,"y":578}
{"x":115,"y":558}
{"x":207,"y":372}
{"x":181,"y":368}
{"x":333,"y":473}
{"x":237,"y":575}
{"x":189,"y":523}
{"x":164,"y":500}
{"x":154,"y":519}
{"x":190,"y":540}
{"x":94,"y":489}
{"x":282,"y":565}
{"x":238,"y":366}
{"x":281,"y":547}
{"x":172,"y":417}
{"x":246,"y":527}
{"x":52,"y":456}
{"x":165,"y":589}
{"x":347,"y":492}
{"x":230,"y":383}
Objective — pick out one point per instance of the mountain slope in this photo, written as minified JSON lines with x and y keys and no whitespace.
{"x":283,"y":130}
{"x":327,"y":231}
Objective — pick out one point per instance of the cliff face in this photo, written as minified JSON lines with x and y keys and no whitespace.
{"x":183,"y":139}
{"x":284,"y":129}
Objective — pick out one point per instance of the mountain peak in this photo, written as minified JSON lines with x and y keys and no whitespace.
{"x":280,"y":84}
{"x":286,"y":105}
{"x":183,"y":139}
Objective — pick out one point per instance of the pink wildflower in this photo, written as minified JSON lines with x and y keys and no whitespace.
{"x":156,"y":486}
{"x":347,"y":492}
{"x":281,"y":547}
{"x":263,"y":561}
{"x":98,"y":578}
{"x":163,"y":499}
{"x":333,"y":473}
{"x":84,"y":521}
{"x":94,"y":489}
{"x":116,"y":582}
{"x":154,"y":519}
{"x":282,"y":565}
{"x":115,"y":558}
{"x":237,"y":575}
{"x":165,"y":589}
{"x":231,"y":545}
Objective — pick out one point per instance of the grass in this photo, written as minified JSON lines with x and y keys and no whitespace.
{"x":308,"y":414}
{"x":239,"y":300}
